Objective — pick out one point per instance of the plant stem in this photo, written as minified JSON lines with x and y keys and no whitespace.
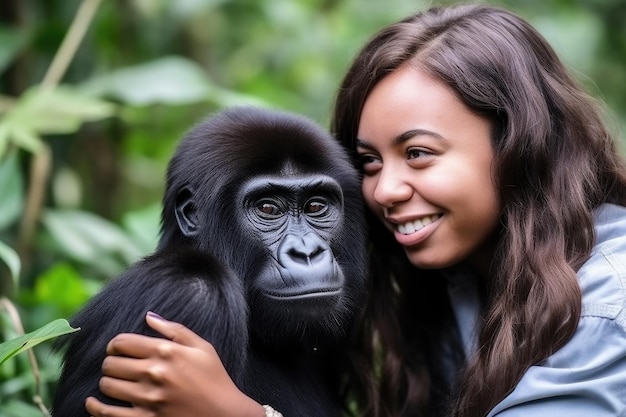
{"x":72,"y":40}
{"x":14,"y":315}
{"x":40,"y":164}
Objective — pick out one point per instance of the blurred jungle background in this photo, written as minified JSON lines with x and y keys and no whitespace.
{"x":94,"y":95}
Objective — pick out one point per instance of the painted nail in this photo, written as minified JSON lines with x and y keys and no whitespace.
{"x":155,"y":315}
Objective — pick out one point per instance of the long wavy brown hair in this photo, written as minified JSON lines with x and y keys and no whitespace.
{"x":555,"y":162}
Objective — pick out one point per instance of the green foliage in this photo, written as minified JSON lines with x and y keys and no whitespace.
{"x":62,"y":289}
{"x":47,"y":111}
{"x":11,"y":190}
{"x":14,"y":408}
{"x":13,"y":40}
{"x":84,"y":236}
{"x":171,"y":80}
{"x":20,"y":344}
{"x":83,"y":150}
{"x":12,"y":260}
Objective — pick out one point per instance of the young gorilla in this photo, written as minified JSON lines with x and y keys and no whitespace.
{"x":262,"y":253}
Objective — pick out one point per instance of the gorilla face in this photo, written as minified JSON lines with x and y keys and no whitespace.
{"x":295,"y":219}
{"x":272,"y":194}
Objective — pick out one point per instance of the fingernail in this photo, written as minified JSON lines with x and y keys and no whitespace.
{"x":155,"y":315}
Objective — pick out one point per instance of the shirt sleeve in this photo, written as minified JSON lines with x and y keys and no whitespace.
{"x":586,"y":377}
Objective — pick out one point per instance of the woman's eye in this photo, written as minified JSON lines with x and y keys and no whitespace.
{"x":414,"y":153}
{"x":369,"y":163}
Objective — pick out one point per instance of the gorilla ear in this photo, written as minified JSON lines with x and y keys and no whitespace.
{"x":186,"y":213}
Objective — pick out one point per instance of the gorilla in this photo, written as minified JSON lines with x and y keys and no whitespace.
{"x":262,"y":253}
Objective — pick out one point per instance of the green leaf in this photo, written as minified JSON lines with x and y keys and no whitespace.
{"x":17,"y":408}
{"x":20,"y":136}
{"x":12,"y":260}
{"x":11,"y":190}
{"x":228,"y":98}
{"x":87,"y":237}
{"x":170,"y":80}
{"x":25,"y":138}
{"x":44,"y":111}
{"x":51,"y":330}
{"x":60,"y":110}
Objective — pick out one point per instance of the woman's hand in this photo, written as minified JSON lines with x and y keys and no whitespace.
{"x":182,"y":376}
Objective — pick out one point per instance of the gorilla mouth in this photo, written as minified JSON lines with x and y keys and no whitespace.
{"x":305,"y":294}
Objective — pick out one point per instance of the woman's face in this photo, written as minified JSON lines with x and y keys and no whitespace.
{"x":427,"y":161}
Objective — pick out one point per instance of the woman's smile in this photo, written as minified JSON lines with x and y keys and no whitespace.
{"x":413,"y":232}
{"x":413,"y":226}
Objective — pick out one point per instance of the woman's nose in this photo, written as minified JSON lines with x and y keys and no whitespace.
{"x":391,"y":188}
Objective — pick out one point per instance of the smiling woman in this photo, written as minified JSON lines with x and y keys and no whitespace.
{"x":498,"y":229}
{"x":427,"y":163}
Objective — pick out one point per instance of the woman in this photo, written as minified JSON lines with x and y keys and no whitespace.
{"x":498,"y":233}
{"x":465,"y":118}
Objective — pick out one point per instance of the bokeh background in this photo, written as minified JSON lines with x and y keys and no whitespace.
{"x":94,"y":95}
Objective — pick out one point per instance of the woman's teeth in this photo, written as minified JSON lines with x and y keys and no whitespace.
{"x":415,"y":225}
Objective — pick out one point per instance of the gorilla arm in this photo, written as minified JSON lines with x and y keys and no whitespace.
{"x":187,"y":286}
{"x":169,"y":378}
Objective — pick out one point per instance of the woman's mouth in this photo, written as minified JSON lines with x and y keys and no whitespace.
{"x":416,"y":225}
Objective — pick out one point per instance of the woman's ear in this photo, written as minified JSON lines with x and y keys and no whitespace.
{"x":186,"y":213}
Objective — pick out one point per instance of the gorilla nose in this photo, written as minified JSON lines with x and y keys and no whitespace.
{"x":308,"y":251}
{"x":308,"y":257}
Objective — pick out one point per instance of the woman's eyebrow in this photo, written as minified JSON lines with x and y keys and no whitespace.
{"x":402,"y":137}
{"x":360,"y":143}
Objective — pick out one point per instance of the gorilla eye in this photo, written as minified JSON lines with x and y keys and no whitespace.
{"x":315,"y":207}
{"x":269,"y":209}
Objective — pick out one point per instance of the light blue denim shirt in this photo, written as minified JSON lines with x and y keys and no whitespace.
{"x":587,"y":376}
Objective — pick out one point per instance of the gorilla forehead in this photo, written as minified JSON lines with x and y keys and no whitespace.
{"x":244,"y":141}
{"x":219,"y":156}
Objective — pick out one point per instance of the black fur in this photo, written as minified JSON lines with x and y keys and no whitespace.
{"x":218,"y":266}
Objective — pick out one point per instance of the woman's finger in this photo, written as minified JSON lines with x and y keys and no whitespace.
{"x":123,"y":367}
{"x":176,"y":332}
{"x":139,"y":346}
{"x":97,"y":408}
{"x":128,"y":391}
